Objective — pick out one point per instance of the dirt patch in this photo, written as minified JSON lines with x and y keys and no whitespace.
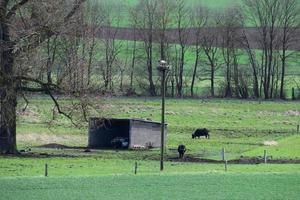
{"x":45,"y":155}
{"x":270,"y":143}
{"x":171,"y":113}
{"x":54,"y":146}
{"x":292,"y":113}
{"x":43,"y":138}
{"x":246,"y":160}
{"x":30,"y":114}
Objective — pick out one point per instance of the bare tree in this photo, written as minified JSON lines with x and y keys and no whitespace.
{"x":253,"y":63}
{"x":133,"y":24}
{"x":94,"y":19}
{"x":289,"y":22}
{"x":210,"y":40}
{"x":146,"y":10}
{"x":198,"y":18}
{"x":164,"y":19}
{"x":181,"y":17}
{"x":265,"y":15}
{"x":16,"y":39}
{"x":112,"y":46}
{"x":229,"y":21}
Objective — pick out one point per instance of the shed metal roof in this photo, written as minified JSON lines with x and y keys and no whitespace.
{"x":125,"y":119}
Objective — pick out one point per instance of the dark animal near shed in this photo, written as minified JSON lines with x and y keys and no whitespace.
{"x":181,"y":150}
{"x":201,"y":132}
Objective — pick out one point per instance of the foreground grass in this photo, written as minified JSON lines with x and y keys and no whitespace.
{"x":171,"y":186}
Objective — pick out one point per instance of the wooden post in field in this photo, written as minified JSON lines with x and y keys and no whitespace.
{"x":223,"y":154}
{"x":293,"y":94}
{"x":298,"y":128}
{"x":226,"y":165}
{"x":135,"y":168}
{"x":46,"y":170}
{"x":265,"y":156}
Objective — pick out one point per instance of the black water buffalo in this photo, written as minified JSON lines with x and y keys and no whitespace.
{"x":181,"y":150}
{"x":200,"y":132}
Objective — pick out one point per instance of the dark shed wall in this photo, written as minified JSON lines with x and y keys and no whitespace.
{"x":143,"y":132}
{"x":100,"y":135}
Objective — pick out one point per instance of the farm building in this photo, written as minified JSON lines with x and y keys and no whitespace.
{"x":128,"y":133}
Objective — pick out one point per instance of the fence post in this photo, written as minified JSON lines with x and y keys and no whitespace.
{"x":293,"y":94}
{"x":46,"y":170}
{"x":226,"y":165}
{"x":298,"y":128}
{"x":265,"y":156}
{"x":223,"y":154}
{"x":135,"y":168}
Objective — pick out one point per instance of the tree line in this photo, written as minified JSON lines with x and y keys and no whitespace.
{"x":200,"y":44}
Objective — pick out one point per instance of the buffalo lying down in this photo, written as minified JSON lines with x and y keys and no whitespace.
{"x":201,"y":132}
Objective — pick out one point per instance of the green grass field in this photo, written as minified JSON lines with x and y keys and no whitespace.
{"x":241,"y":127}
{"x":175,"y":186}
{"x":123,"y":6}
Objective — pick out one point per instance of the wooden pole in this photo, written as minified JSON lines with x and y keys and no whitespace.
{"x":163,"y":68}
{"x":162,"y":120}
{"x":298,"y":128}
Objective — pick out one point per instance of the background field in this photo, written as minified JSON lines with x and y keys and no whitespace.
{"x":241,"y":127}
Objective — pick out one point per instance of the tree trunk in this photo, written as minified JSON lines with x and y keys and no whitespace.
{"x":228,"y":91}
{"x":195,"y":71}
{"x":181,"y":66}
{"x":8,"y":89}
{"x":132,"y":64}
{"x":254,"y":68}
{"x":282,"y":96}
{"x":152,"y":90}
{"x":91,"y":53}
{"x":8,"y":122}
{"x":212,"y":81}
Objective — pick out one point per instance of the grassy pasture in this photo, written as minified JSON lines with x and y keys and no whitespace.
{"x":211,"y":3}
{"x":173,"y":186}
{"x":112,"y":163}
{"x":124,"y":6}
{"x":241,"y":127}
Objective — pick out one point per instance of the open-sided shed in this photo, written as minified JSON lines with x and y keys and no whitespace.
{"x":138,"y":132}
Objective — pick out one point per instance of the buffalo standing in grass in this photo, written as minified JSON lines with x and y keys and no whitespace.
{"x":201,"y":132}
{"x":181,"y":150}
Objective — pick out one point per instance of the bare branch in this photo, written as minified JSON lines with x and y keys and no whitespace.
{"x":74,"y":9}
{"x":15,"y":8}
{"x":26,"y":101}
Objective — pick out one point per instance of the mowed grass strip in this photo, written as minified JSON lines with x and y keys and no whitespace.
{"x":95,"y":166}
{"x":176,"y":186}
